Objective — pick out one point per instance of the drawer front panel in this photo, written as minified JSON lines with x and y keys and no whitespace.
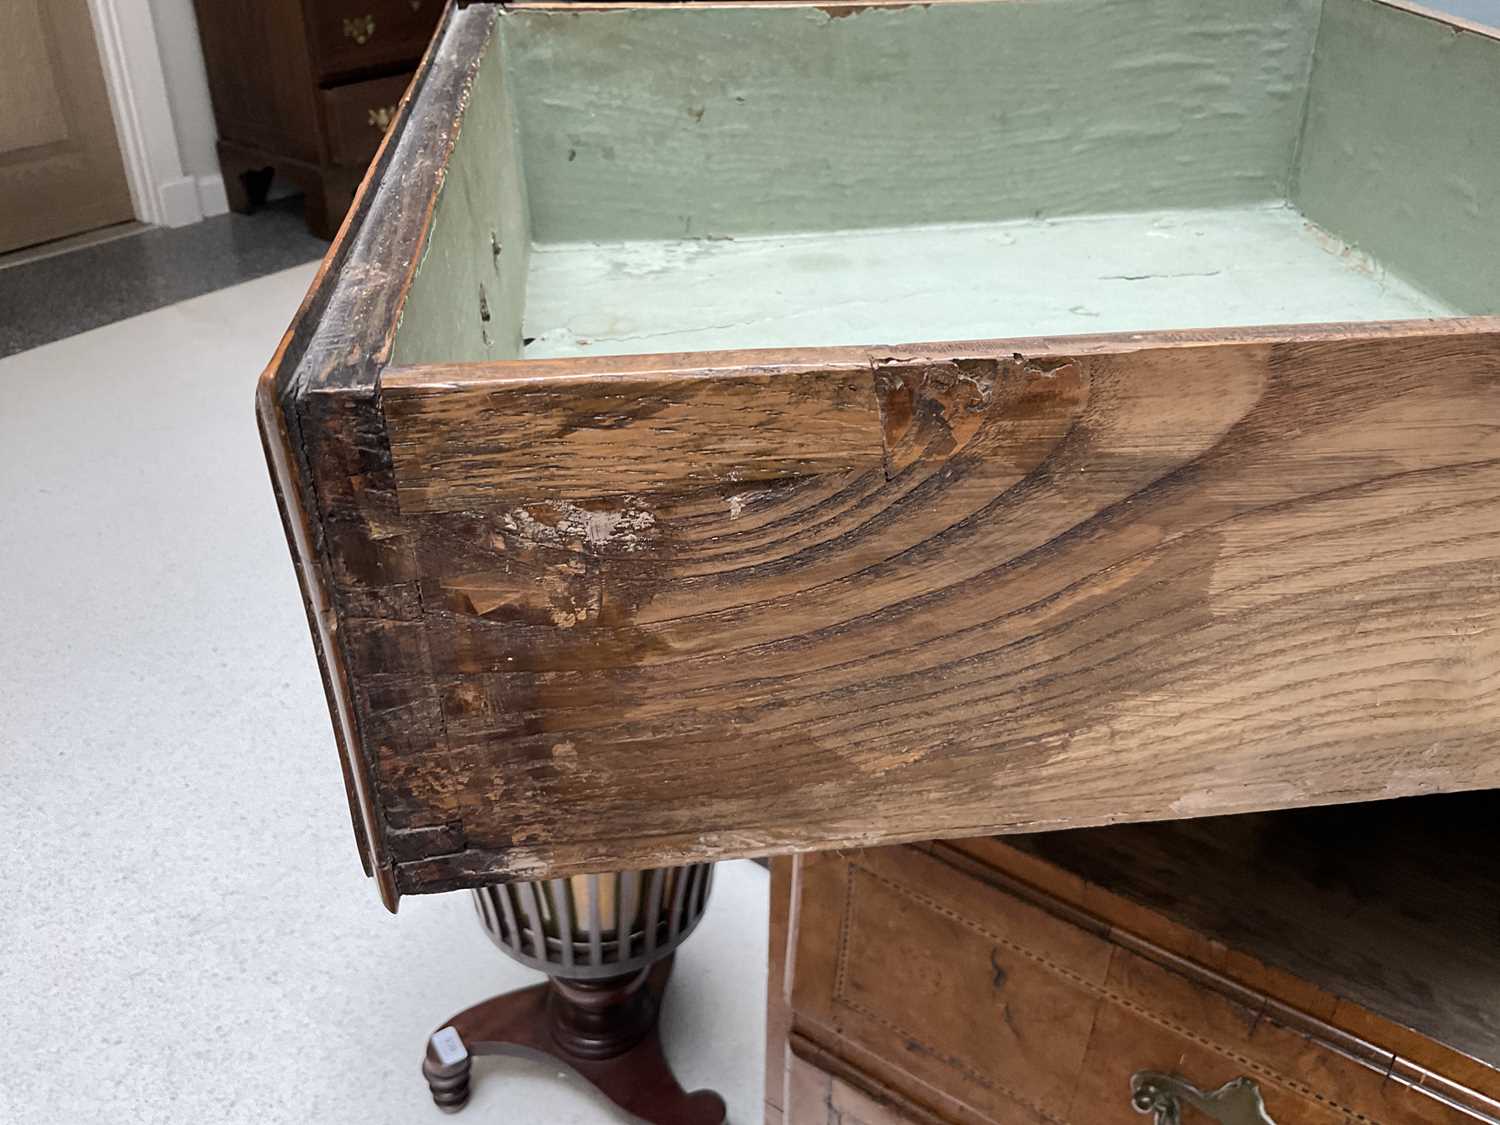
{"x":839,"y":605}
{"x":358,"y":116}
{"x":955,"y":993}
{"x":969,"y":993}
{"x":972,"y":1002}
{"x":818,"y":1098}
{"x":1200,"y":1028}
{"x":354,"y":35}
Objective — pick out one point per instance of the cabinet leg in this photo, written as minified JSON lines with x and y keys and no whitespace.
{"x":449,"y":1084}
{"x":322,"y":214}
{"x":329,"y":198}
{"x":247,"y":179}
{"x":327,"y":192}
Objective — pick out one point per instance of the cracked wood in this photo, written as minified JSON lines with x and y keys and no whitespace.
{"x":597,"y":613}
{"x":781,"y":604}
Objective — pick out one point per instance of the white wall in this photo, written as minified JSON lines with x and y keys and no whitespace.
{"x":187,"y":94}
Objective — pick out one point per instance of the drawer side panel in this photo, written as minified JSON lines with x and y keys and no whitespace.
{"x":746,"y":610}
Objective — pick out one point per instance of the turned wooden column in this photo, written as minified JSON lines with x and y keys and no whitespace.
{"x":606,"y":944}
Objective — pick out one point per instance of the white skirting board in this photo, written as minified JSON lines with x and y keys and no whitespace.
{"x":212,"y":199}
{"x":178,"y":201}
{"x":162,"y":192}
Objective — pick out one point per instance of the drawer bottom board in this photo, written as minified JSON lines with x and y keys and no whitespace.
{"x":1233,"y":266}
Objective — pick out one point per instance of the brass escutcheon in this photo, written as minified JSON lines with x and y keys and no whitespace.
{"x":1237,"y":1102}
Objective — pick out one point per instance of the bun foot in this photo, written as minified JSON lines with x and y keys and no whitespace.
{"x":446,"y":1068}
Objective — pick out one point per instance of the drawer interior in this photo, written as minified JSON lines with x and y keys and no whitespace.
{"x":649,"y":179}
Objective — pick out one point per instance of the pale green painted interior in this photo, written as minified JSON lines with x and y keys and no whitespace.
{"x":664,"y":123}
{"x":1401,"y":152}
{"x":780,"y":176}
{"x":482,"y":206}
{"x":1137,"y":271}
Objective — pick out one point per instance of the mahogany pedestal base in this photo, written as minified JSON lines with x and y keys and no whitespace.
{"x":606,"y":1031}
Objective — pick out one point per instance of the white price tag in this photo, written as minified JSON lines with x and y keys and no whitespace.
{"x":448,"y":1047}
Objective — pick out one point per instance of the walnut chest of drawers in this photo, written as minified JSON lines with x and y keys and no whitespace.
{"x":305,"y":89}
{"x":635,"y":530}
{"x":1343,"y":964}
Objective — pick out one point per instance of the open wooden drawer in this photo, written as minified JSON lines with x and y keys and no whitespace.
{"x":593,"y":586}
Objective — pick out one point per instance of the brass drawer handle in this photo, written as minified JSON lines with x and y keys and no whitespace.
{"x":381,"y":118}
{"x":1237,"y":1102}
{"x":359,"y":28}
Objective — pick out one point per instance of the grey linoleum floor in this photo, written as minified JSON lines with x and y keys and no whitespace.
{"x":185,"y":933}
{"x":51,"y":298}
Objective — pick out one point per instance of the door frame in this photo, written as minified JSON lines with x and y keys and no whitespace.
{"x":163,"y":194}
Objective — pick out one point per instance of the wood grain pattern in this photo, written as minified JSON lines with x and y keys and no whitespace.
{"x":357,"y":115}
{"x":319,"y":420}
{"x":820,"y":1097}
{"x":524,"y":440}
{"x":1061,"y":589}
{"x":601,"y":613}
{"x":939,"y":979}
{"x":358,"y":38}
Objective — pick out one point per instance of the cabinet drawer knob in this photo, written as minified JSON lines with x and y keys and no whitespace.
{"x":1237,"y":1102}
{"x":359,"y":28}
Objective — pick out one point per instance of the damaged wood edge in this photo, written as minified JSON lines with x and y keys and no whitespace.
{"x":477,"y":865}
{"x":333,"y":342}
{"x":358,"y":774}
{"x":454,"y":447}
{"x":451,"y":426}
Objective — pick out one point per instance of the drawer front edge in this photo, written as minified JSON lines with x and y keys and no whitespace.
{"x":982,"y":995}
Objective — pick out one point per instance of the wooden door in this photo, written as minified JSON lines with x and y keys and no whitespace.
{"x":60,"y":167}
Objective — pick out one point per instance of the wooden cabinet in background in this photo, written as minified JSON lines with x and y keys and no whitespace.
{"x":305,"y":90}
{"x":1346,"y":962}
